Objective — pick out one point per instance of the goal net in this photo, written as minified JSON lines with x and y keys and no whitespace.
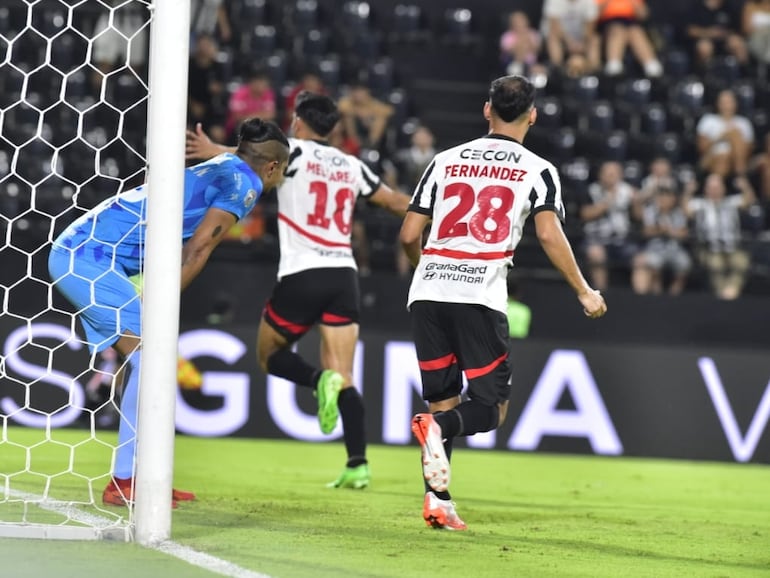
{"x":73,"y":117}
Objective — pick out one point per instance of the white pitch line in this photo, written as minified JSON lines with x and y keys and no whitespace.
{"x":68,"y":509}
{"x":207,"y":561}
{"x":184,"y":553}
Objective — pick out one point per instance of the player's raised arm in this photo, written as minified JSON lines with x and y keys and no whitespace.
{"x":198,"y":145}
{"x":393,"y":201}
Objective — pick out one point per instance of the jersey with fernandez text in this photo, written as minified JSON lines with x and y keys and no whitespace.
{"x":315,"y":206}
{"x":115,"y":229}
{"x":479,"y":195}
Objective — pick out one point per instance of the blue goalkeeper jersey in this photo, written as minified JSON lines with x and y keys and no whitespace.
{"x":115,"y":229}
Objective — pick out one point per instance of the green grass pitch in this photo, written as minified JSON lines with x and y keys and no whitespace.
{"x":263,"y":505}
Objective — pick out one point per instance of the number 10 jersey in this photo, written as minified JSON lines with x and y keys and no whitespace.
{"x":479,"y":195}
{"x":315,"y":206}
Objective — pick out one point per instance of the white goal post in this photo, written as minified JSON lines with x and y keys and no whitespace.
{"x":169,"y":52}
{"x":52,"y":148}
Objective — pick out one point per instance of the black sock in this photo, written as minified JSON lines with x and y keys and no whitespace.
{"x":448,"y":450}
{"x":288,"y":365}
{"x":352,"y":413}
{"x":449,"y":422}
{"x":476,"y":417}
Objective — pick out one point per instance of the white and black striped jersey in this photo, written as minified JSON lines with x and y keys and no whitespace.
{"x":717,"y":223}
{"x":479,"y":195}
{"x":315,"y":206}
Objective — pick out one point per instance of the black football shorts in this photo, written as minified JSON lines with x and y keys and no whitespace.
{"x":452,"y":338}
{"x":329,"y":296}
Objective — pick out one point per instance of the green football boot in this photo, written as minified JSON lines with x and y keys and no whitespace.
{"x":355,"y":478}
{"x":327,"y":392}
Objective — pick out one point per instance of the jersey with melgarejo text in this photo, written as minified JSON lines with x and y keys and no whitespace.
{"x":315,"y":206}
{"x":116,"y":227}
{"x":479,"y":195}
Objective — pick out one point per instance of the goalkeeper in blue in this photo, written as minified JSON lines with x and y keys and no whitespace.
{"x":91,"y":262}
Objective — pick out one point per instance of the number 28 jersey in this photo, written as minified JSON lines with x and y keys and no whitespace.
{"x":315,"y":206}
{"x":479,"y":195}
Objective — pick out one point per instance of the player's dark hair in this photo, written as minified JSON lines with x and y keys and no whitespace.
{"x":258,"y":130}
{"x":317,"y":111}
{"x":511,"y":97}
{"x":265,"y":134}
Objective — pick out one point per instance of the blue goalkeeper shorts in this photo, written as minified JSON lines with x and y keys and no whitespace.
{"x":106,"y":301}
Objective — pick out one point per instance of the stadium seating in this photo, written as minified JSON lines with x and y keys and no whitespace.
{"x":653,"y":119}
{"x":356,"y":17}
{"x":600,"y":117}
{"x":745,"y":93}
{"x":407,"y":24}
{"x":381,"y":77}
{"x":313,"y":45}
{"x":549,"y":112}
{"x":262,"y":40}
{"x":301,"y":16}
{"x":277,"y":68}
{"x":459,"y":28}
{"x":328,"y":69}
{"x":634,"y":91}
{"x":250,"y":12}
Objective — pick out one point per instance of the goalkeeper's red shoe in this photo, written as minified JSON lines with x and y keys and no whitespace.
{"x":182,"y":496}
{"x":119,"y":492}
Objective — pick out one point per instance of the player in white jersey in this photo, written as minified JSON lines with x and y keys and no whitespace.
{"x":317,"y":278}
{"x":478,"y":196}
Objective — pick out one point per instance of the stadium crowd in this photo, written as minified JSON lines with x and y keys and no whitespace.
{"x":659,"y":128}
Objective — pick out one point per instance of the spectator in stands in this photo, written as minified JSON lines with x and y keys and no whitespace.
{"x":206,"y":88}
{"x":364,"y":117}
{"x":255,"y":97}
{"x":621,"y":24}
{"x":309,"y":82}
{"x":339,"y":138}
{"x":120,"y":41}
{"x":660,"y":175}
{"x":569,"y":29}
{"x":412,"y":161}
{"x":607,"y":213}
{"x":714,"y":29}
{"x":760,"y":172}
{"x":520,"y":45}
{"x":665,"y":228}
{"x":756,"y":28}
{"x":724,"y":138}
{"x":718,"y":232}
{"x":209,"y":17}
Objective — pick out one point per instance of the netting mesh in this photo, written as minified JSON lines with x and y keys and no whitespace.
{"x":73,"y":106}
